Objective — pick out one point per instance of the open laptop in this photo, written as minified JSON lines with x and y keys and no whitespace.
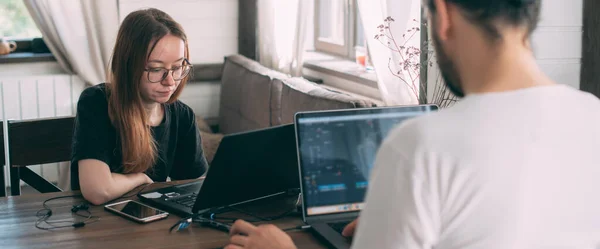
{"x":246,"y":167}
{"x":336,"y":151}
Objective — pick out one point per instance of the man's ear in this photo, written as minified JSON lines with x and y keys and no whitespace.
{"x":442,"y":19}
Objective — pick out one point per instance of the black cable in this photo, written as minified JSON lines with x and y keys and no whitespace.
{"x":226,"y":227}
{"x":183,"y":223}
{"x":213,"y":216}
{"x":222,"y":226}
{"x":91,"y":219}
{"x":211,"y":219}
{"x":59,"y":197}
{"x":46,"y":212}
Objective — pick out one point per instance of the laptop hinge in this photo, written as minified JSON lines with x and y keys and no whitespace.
{"x":330,"y":217}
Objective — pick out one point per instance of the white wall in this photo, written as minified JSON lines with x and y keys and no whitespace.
{"x":557,"y":41}
{"x":211,"y":25}
{"x":212,"y":30}
{"x":203,"y":98}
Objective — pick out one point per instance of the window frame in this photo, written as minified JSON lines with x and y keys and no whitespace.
{"x":24,"y":52}
{"x":24,"y":45}
{"x":350,"y":30}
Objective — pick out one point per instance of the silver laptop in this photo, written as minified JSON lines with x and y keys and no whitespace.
{"x":336,"y":151}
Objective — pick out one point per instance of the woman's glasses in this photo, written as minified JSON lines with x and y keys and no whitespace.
{"x":158,"y":74}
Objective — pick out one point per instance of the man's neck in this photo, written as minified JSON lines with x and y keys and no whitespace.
{"x":508,"y":68}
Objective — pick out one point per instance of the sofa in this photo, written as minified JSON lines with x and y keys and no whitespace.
{"x":255,"y":97}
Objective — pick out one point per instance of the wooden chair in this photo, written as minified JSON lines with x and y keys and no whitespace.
{"x":39,"y":141}
{"x":2,"y":183}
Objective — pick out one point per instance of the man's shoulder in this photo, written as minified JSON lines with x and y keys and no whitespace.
{"x":426,"y":129}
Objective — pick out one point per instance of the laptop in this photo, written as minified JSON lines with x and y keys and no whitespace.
{"x":336,"y":151}
{"x":247,"y":166}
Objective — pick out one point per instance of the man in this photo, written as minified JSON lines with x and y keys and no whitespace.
{"x":513,"y":165}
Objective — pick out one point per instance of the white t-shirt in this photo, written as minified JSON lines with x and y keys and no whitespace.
{"x":509,"y":170}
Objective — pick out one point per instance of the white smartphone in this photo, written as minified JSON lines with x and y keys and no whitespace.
{"x":136,"y":211}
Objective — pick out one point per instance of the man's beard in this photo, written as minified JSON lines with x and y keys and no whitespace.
{"x":449,"y":72}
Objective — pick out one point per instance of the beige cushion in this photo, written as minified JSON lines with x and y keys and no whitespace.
{"x":245,"y":95}
{"x":203,"y":125}
{"x":210,"y":140}
{"x":255,"y":97}
{"x":298,"y":94}
{"x":210,"y":144}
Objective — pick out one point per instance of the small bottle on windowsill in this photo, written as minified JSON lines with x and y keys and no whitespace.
{"x":363,"y":59}
{"x":360,"y":54}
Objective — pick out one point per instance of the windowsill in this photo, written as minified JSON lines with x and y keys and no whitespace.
{"x":22,"y":57}
{"x":340,"y":67}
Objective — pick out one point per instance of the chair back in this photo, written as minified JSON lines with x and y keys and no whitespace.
{"x":40,"y":141}
{"x":37,"y":141}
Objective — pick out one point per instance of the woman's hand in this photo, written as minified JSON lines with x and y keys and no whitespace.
{"x":99,"y":185}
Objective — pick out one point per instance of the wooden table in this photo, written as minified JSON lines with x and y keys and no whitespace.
{"x":18,"y":216}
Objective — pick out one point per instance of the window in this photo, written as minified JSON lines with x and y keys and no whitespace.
{"x":15,"y":21}
{"x":338,"y":29}
{"x":17,"y":25}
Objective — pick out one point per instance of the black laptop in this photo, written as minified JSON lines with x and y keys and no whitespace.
{"x":336,"y":151}
{"x":246,"y":167}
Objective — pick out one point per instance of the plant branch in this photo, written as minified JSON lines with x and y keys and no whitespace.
{"x":409,"y":66}
{"x":401,"y":78}
{"x":411,"y":36}
{"x":392,"y":49}
{"x":398,"y":48}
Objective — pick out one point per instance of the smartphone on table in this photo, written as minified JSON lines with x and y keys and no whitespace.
{"x":136,"y":211}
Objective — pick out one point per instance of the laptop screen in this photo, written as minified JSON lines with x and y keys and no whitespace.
{"x":337,"y":149}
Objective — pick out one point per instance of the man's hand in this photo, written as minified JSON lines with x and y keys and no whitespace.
{"x":246,"y":235}
{"x":350,"y":229}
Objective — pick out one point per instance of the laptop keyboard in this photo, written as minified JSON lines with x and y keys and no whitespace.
{"x":338,"y":226}
{"x":187,"y":201}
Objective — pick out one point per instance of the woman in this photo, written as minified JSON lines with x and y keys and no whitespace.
{"x":133,"y":130}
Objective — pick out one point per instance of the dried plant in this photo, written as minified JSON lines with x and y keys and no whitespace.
{"x":410,"y":67}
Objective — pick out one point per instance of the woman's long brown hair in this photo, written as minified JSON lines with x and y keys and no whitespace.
{"x":137,"y":37}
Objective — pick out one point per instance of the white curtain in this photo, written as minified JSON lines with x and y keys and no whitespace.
{"x":282,"y":32}
{"x":79,"y":33}
{"x":394,"y":90}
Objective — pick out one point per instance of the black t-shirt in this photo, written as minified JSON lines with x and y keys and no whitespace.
{"x":180,"y":154}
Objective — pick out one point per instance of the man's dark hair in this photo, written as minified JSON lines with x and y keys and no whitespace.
{"x":487,"y":14}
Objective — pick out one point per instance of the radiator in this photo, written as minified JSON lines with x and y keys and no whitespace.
{"x":40,"y":96}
